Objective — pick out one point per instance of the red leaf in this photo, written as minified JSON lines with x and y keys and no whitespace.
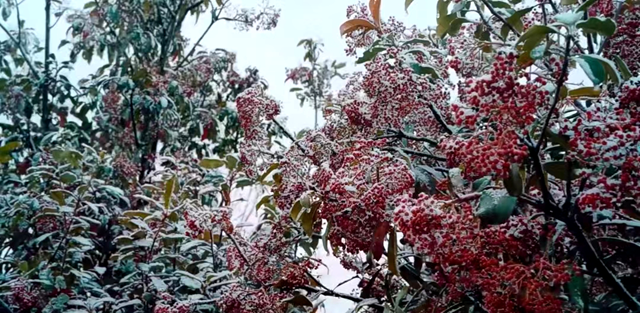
{"x":377,"y":246}
{"x":355,"y":24}
{"x":374,"y":6}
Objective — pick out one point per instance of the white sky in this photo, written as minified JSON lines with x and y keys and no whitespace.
{"x":271,"y":52}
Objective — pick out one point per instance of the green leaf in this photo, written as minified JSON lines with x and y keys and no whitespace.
{"x":559,"y":170}
{"x":59,"y":197}
{"x":627,"y":223}
{"x":271,"y":168}
{"x":603,"y":26}
{"x":308,"y":219}
{"x":425,"y":70}
{"x":9,"y":147}
{"x":624,"y":70}
{"x":244,"y":182}
{"x":370,"y":54}
{"x":168,"y":191}
{"x":481,"y":183}
{"x":578,"y":291}
{"x":210,"y":163}
{"x":593,"y":68}
{"x":456,"y":24}
{"x":500,"y":4}
{"x":495,"y":207}
{"x":586,"y":5}
{"x":534,"y":35}
{"x":82,"y":241}
{"x":189,"y":280}
{"x":68,"y":178}
{"x":266,"y":199}
{"x":407,"y":3}
{"x":515,"y":182}
{"x":585,"y":92}
{"x":232,"y":161}
{"x":569,"y":18}
{"x":568,"y":2}
{"x":295,"y":89}
{"x":299,"y":300}
{"x":515,"y":20}
{"x":89,"y":5}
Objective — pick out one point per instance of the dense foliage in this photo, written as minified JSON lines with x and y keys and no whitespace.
{"x":460,"y":171}
{"x":116,"y":190}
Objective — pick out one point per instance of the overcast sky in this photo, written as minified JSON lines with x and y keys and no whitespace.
{"x":271,"y":52}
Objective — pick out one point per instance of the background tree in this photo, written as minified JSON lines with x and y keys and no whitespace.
{"x":314,"y":78}
{"x":116,"y":189}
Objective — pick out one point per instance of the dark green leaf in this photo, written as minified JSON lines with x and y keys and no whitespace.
{"x":425,"y":70}
{"x":622,"y":66}
{"x":495,"y":207}
{"x":586,"y":5}
{"x":603,"y":26}
{"x":370,"y":54}
{"x":481,"y":183}
{"x":559,"y":170}
{"x":578,"y":291}
{"x":515,"y":182}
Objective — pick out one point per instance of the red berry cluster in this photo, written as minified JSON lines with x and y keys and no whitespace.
{"x":125,"y":166}
{"x":207,"y":220}
{"x":47,"y":224}
{"x":502,"y":263}
{"x":607,"y":136}
{"x":242,"y":299}
{"x":255,"y":107}
{"x":392,"y":26}
{"x":625,"y":43}
{"x":360,"y":189}
{"x":178,"y":307}
{"x":26,"y":297}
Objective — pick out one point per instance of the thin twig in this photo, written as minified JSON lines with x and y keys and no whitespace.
{"x":330,"y":293}
{"x":235,"y":243}
{"x":559,"y":84}
{"x":22,"y":51}
{"x":400,"y":134}
{"x":500,"y":17}
{"x":289,"y":135}
{"x":416,"y":153}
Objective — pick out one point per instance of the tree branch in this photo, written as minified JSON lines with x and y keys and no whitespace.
{"x":400,"y":134}
{"x":331,"y":293}
{"x":289,"y":135}
{"x":193,"y":49}
{"x":559,"y":83}
{"x":416,"y":153}
{"x":46,"y":110}
{"x":22,"y":51}
{"x":500,"y":17}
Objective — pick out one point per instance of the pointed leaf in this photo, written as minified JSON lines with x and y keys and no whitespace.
{"x":168,"y":191}
{"x":355,"y":24}
{"x":392,"y":255}
{"x":495,"y":207}
{"x":603,"y":26}
{"x":374,"y":7}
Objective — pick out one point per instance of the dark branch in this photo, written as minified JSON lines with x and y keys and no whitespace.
{"x":400,"y":134}
{"x":416,"y":153}
{"x":500,"y":17}
{"x":556,"y":98}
